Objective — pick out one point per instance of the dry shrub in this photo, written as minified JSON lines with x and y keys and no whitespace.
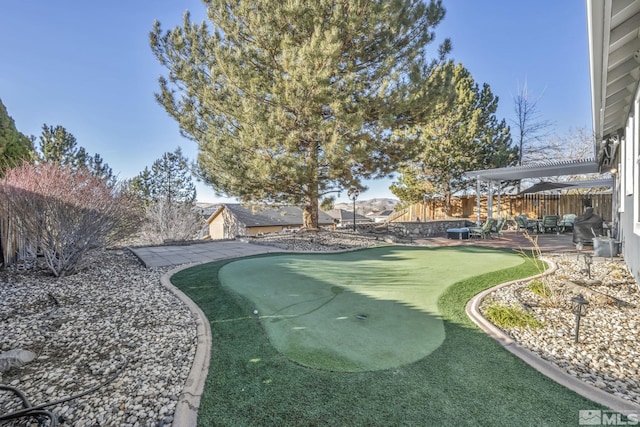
{"x":65,"y":212}
{"x":166,"y":220}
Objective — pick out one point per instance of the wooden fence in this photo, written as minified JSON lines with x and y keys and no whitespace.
{"x":12,"y":246}
{"x":533,"y":205}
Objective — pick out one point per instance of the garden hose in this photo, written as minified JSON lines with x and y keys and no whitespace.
{"x":39,"y":412}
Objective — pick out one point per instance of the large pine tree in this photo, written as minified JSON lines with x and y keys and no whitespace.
{"x":292,"y":100}
{"x":465,"y":135}
{"x":14,"y":146}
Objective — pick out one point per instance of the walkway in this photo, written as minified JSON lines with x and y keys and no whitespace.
{"x":512,"y":239}
{"x":162,"y":256}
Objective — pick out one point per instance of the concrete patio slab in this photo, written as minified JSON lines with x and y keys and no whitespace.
{"x":163,"y":256}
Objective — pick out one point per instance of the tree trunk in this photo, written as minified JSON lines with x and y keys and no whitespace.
{"x":310,"y":214}
{"x":447,"y":204}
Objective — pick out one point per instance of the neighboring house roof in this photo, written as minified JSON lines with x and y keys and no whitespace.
{"x":207,"y":209}
{"x":385,"y":213}
{"x":265,"y":216}
{"x":344,"y":215}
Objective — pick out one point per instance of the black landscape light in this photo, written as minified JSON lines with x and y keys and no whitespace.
{"x":579,"y":307}
{"x":353,"y":195}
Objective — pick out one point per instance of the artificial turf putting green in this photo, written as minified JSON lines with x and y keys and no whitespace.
{"x":357,"y":311}
{"x":470,"y":380}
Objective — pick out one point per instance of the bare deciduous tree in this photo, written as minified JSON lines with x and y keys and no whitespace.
{"x":530,"y":130}
{"x":63,"y":212}
{"x":165,"y":221}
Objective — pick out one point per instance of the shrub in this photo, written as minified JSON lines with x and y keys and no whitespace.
{"x":540,"y":288}
{"x":165,"y":220}
{"x":64,"y":212}
{"x":510,"y":317}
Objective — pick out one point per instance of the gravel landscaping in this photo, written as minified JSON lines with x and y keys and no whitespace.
{"x":111,"y":320}
{"x":607,"y":354}
{"x":114,"y":328}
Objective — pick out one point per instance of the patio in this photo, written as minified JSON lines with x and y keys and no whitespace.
{"x":516,"y":240}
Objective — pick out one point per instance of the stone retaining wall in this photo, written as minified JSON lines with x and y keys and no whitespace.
{"x":427,"y":228}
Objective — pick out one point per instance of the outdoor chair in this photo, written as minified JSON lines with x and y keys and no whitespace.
{"x":484,"y":231}
{"x":524,"y":223}
{"x":499,"y":226}
{"x":549,"y":222}
{"x":566,"y":223}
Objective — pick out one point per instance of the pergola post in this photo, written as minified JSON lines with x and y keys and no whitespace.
{"x":499,"y":204}
{"x":478,"y":200}
{"x":490,"y":200}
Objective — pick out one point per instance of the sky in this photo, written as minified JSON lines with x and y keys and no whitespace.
{"x":87,"y":66}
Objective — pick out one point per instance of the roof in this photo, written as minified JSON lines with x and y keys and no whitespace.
{"x":345,"y":215}
{"x":537,"y":170}
{"x":614,"y":54}
{"x":264,"y":216}
{"x":568,"y":185}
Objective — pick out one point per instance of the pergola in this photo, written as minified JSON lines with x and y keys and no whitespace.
{"x":540,"y":170}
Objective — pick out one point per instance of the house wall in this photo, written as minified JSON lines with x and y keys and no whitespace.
{"x":630,"y":240}
{"x":628,"y":191}
{"x":216,"y":228}
{"x":226,"y":226}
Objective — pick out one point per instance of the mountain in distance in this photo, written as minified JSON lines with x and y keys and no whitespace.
{"x":363,"y":207}
{"x":371,"y":205}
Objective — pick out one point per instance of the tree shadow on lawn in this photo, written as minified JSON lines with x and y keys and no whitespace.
{"x":469,"y":380}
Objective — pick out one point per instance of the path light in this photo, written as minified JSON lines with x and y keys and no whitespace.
{"x":353,"y":195}
{"x":579,"y":247}
{"x":588,"y":260}
{"x":579,"y":308}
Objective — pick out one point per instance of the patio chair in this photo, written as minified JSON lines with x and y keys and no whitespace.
{"x":524,"y":223}
{"x":566,"y":223}
{"x":484,"y":231}
{"x":499,"y":226}
{"x":549,"y":222}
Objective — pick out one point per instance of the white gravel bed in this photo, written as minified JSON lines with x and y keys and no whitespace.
{"x":607,"y":354}
{"x":111,"y":319}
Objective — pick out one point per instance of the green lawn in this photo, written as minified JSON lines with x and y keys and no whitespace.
{"x":462,"y":377}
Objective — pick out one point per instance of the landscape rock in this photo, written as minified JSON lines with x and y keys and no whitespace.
{"x":15,"y":358}
{"x":606,"y":354}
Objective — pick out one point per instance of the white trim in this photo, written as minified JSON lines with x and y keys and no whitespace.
{"x":634,"y":171}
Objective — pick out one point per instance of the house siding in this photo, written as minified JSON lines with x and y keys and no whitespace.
{"x":630,"y":240}
{"x":226,"y":226}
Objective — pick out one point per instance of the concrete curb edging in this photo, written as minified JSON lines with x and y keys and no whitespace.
{"x":186,"y":413}
{"x":545,"y":367}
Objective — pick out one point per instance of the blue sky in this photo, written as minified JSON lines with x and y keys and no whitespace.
{"x":87,"y":66}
